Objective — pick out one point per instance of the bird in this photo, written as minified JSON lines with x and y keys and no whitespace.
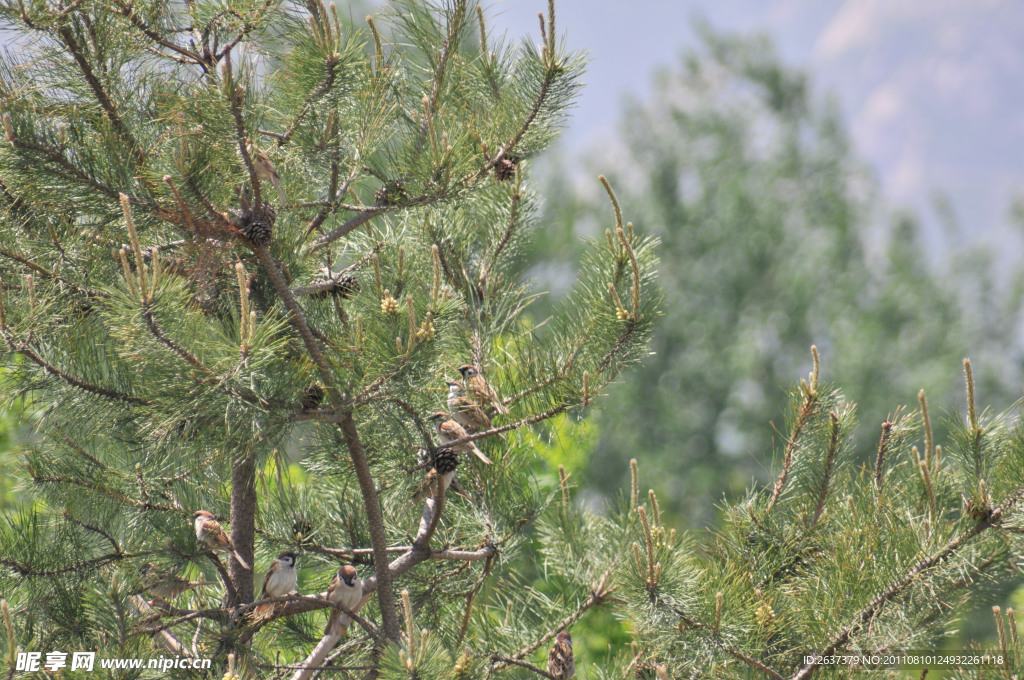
{"x":265,"y":169}
{"x":346,"y":590}
{"x":164,"y":584}
{"x":465,"y":410}
{"x":560,"y":662}
{"x":481,"y":390}
{"x":211,"y":534}
{"x":448,"y":431}
{"x":280,"y":580}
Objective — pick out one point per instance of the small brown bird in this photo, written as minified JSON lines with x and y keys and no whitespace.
{"x":560,"y":662}
{"x":448,"y":431}
{"x":281,"y":579}
{"x":211,"y":534}
{"x":347,"y":590}
{"x":265,"y":169}
{"x":465,"y":410}
{"x":165,"y":585}
{"x":480,"y":390}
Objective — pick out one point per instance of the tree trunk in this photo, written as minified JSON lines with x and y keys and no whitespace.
{"x":243,"y":524}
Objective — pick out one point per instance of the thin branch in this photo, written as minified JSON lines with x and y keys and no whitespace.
{"x":806,"y":411}
{"x":496,"y":658}
{"x":756,"y":664}
{"x":830,"y":457}
{"x":109,"y":109}
{"x":45,"y":273}
{"x":126,"y":10}
{"x":27,"y":570}
{"x":487,"y":551}
{"x":26,"y":351}
{"x":158,"y":333}
{"x":883,"y":445}
{"x":899,"y":586}
{"x":598,"y":595}
{"x":319,"y":91}
{"x":353,"y":223}
{"x":142,"y":505}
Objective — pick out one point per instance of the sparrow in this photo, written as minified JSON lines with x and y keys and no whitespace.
{"x":448,"y":431}
{"x":280,"y":580}
{"x":211,"y":534}
{"x":465,"y":410}
{"x":480,"y":390}
{"x":347,"y":590}
{"x":560,"y":662}
{"x":265,"y":169}
{"x":165,"y":585}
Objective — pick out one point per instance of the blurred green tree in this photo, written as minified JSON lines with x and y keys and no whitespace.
{"x":772,"y":239}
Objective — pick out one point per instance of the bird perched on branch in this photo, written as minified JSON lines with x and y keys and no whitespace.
{"x":265,"y":169}
{"x":465,"y":410}
{"x":211,"y":534}
{"x":448,"y":431}
{"x":164,"y":584}
{"x":480,"y":390}
{"x":561,"y":665}
{"x":347,"y":590}
{"x":280,"y":580}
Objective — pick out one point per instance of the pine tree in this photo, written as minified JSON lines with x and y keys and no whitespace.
{"x":241,"y":234}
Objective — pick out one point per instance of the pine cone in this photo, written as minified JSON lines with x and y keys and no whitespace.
{"x":445,"y":460}
{"x":389,"y":193}
{"x":343,"y":287}
{"x":301,"y":529}
{"x":505,"y":170}
{"x":312,"y":397}
{"x":645,"y":669}
{"x":258,"y":225}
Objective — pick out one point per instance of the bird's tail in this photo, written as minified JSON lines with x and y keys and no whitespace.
{"x":241,"y":560}
{"x":479,"y":454}
{"x":280,"y":191}
{"x":333,"y":623}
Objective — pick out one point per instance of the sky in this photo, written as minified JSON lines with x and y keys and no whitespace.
{"x":931,"y":90}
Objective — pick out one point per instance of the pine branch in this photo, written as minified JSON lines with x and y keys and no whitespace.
{"x":96,"y":530}
{"x":27,"y":570}
{"x":53,"y":275}
{"x":127,"y":10}
{"x":754,"y":663}
{"x":247,"y":28}
{"x":26,"y":351}
{"x":321,"y":90}
{"x":899,"y":586}
{"x":364,"y":215}
{"x":109,"y":109}
{"x":127,"y":500}
{"x":599,"y":594}
{"x":235,"y":102}
{"x":508,"y":661}
{"x":830,"y":457}
{"x":807,"y":409}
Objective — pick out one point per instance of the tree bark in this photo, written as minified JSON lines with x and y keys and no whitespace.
{"x":385,"y":593}
{"x":243,"y":524}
